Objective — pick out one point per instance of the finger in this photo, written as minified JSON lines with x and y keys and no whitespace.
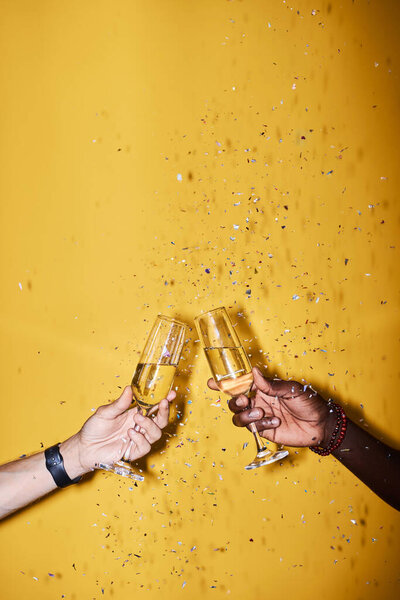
{"x":261,"y":382}
{"x":276,"y":387}
{"x":119,"y":406}
{"x":162,"y":416}
{"x":212,"y":385}
{"x":268,"y":423}
{"x":243,"y":418}
{"x":148,"y":428}
{"x":239,"y":403}
{"x":140,"y":446}
{"x":246,"y":417}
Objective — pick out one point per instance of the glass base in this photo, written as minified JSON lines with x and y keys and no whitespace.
{"x":266,"y":457}
{"x":122,"y":468}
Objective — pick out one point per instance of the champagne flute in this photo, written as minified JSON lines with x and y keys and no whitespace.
{"x":154,"y":375}
{"x":231,"y":370}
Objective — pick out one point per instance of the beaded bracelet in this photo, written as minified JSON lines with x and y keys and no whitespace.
{"x":338,"y":433}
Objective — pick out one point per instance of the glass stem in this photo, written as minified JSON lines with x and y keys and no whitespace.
{"x":260,"y":445}
{"x":147,"y":412}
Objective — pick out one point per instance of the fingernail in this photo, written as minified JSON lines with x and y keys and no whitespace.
{"x":241,"y":402}
{"x":274,"y":421}
{"x":255,"y":413}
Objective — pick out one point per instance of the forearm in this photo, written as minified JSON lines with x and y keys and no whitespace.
{"x":373,"y":462}
{"x":24,"y":481}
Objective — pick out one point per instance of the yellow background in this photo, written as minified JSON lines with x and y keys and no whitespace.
{"x":143,"y":142}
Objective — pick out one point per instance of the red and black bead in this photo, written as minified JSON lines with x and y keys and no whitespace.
{"x":338,"y":433}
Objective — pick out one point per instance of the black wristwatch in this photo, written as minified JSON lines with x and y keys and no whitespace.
{"x":55,"y":464}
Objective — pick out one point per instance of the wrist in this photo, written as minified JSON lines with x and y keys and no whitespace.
{"x":336,"y":436}
{"x":329,"y":426}
{"x":70,"y":451}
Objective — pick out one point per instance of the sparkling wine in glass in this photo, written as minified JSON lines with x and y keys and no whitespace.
{"x":231,"y":369}
{"x":154,"y":375}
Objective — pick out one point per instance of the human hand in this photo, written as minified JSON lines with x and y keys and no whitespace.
{"x":284,"y":412}
{"x":114,"y":432}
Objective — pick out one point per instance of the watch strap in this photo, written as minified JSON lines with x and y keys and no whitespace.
{"x":55,"y":465}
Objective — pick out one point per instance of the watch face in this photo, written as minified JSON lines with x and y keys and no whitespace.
{"x":53,"y":456}
{"x":55,"y":465}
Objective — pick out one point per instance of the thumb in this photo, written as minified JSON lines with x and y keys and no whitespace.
{"x":119,"y":406}
{"x":277,"y":387}
{"x":260,"y":382}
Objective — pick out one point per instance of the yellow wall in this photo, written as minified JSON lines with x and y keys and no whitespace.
{"x":282,"y":119}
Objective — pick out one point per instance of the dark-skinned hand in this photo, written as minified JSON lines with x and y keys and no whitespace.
{"x":284,"y":412}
